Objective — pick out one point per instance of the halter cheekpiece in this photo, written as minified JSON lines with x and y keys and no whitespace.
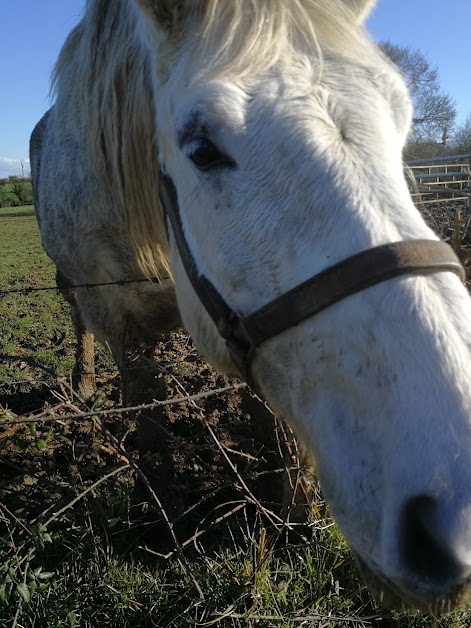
{"x":244,"y":334}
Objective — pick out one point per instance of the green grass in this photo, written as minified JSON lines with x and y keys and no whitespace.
{"x":94,"y":575}
{"x":34,"y":324}
{"x":89,"y":567}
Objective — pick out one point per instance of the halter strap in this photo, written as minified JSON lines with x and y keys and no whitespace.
{"x":244,"y":334}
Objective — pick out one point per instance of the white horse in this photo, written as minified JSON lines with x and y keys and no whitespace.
{"x":279,"y":128}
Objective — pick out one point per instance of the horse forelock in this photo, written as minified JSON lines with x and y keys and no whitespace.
{"x":247,"y":36}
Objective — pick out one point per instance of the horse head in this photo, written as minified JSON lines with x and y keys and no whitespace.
{"x":281,"y":128}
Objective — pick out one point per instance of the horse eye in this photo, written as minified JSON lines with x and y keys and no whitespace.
{"x":206,"y":156}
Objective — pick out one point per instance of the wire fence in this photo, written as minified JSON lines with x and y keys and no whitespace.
{"x":19,"y":425}
{"x":53,"y":378}
{"x":51,"y":288}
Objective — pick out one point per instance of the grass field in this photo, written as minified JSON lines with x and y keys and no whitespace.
{"x":36,"y":340}
{"x":80,"y":546}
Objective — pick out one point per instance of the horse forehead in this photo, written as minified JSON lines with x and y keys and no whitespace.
{"x":295,"y":86}
{"x":208,"y":103}
{"x":294,"y":100}
{"x":282,"y":98}
{"x":233,"y":99}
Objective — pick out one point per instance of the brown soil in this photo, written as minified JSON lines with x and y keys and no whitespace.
{"x":43,"y":466}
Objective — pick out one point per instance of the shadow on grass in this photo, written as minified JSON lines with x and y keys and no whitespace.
{"x":17,"y":214}
{"x":26,"y":398}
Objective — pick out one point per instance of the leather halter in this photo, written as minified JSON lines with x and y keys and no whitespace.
{"x":244,"y":334}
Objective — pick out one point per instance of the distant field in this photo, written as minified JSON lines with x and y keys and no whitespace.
{"x":34,"y":324}
{"x":22,"y":258}
{"x":81,"y":547}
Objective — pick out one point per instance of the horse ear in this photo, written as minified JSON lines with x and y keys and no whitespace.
{"x":165,"y":13}
{"x":360,"y":8}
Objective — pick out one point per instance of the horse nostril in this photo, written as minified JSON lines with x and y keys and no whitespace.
{"x":424,"y":550}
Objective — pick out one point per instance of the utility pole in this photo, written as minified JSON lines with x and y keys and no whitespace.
{"x":22,"y":169}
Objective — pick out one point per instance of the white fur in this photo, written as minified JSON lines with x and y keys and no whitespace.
{"x":378,"y":385}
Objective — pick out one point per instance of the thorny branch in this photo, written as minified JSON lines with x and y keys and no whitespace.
{"x":114,"y":411}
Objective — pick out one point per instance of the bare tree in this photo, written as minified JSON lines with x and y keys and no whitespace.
{"x":462,"y":137}
{"x":434,"y":109}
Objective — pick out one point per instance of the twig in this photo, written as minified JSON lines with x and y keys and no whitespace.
{"x":22,"y":525}
{"x":242,"y":454}
{"x":55,"y":408}
{"x":297,"y":620}
{"x":271,"y":516}
{"x":200,"y":532}
{"x":120,"y":449}
{"x":121,"y":452}
{"x":85,"y":492}
{"x":114,"y":411}
{"x":181,"y":556}
{"x":17,"y":426}
{"x":203,"y":499}
{"x":11,"y":431}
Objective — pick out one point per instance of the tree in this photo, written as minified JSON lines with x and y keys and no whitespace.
{"x":434,"y":109}
{"x":462,"y":137}
{"x":4,"y":196}
{"x":21,"y":189}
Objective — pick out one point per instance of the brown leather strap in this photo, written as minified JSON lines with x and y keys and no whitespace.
{"x":348,"y":277}
{"x":244,"y":335}
{"x":342,"y":280}
{"x":213,"y":302}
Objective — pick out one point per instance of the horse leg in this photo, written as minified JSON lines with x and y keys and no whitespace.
{"x":83,"y":373}
{"x":142,"y":382}
{"x":115,"y":317}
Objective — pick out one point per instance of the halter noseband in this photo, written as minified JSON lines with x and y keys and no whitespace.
{"x":244,"y":334}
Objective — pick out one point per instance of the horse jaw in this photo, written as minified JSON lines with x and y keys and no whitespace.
{"x":385,"y":410}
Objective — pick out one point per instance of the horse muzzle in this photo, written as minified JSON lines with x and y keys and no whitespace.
{"x":423,"y":597}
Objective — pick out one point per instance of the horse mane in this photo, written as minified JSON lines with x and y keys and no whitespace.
{"x":103,"y":74}
{"x":243,"y":36}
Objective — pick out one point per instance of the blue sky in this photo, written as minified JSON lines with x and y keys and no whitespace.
{"x":33,"y":32}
